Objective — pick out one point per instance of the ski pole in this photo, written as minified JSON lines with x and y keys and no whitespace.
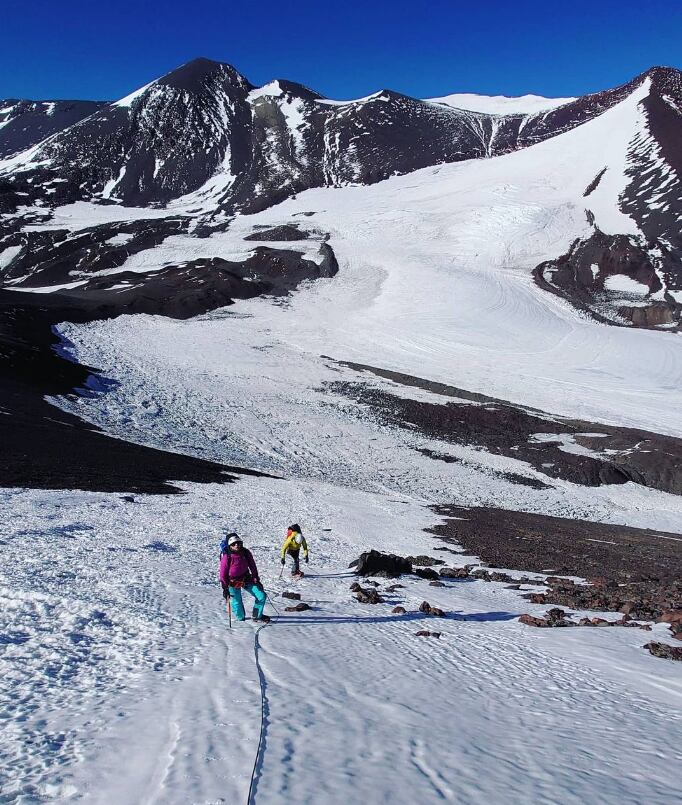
{"x":280,"y":572}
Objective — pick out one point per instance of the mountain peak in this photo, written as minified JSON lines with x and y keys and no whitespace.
{"x":192,"y":75}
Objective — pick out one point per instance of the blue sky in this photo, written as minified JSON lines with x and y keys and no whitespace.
{"x":106,"y":48}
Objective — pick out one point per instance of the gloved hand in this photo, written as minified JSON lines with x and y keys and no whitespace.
{"x":306,"y":560}
{"x":283,"y":561}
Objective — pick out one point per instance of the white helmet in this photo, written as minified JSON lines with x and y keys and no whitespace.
{"x":233,"y":538}
{"x":298,"y":539}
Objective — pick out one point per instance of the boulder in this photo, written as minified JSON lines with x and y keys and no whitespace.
{"x":664,"y":651}
{"x":436,"y":584}
{"x":557,"y":617}
{"x":293,"y":596}
{"x":425,"y":573}
{"x":368,"y":595}
{"x":429,"y":610}
{"x":424,"y":561}
{"x":531,"y":620}
{"x":394,"y":587}
{"x":375,"y":563}
{"x":398,"y":611}
{"x":454,"y":572}
{"x":671,"y":616}
{"x":425,"y":633}
{"x":297,"y":608}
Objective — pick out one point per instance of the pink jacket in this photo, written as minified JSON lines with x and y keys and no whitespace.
{"x":236,"y":566}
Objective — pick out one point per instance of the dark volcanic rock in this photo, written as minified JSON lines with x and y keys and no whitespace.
{"x":531,"y":620}
{"x":424,"y":561}
{"x":429,"y":610}
{"x":455,"y":572}
{"x":642,"y":264}
{"x":25,"y":123}
{"x":46,"y":448}
{"x":375,"y":563}
{"x":553,"y":618}
{"x":673,"y":616}
{"x":368,"y":595}
{"x":398,"y":611}
{"x":292,"y":596}
{"x":425,"y":573}
{"x":297,"y":607}
{"x":425,"y":633}
{"x":644,"y":600}
{"x":664,"y":651}
{"x":284,"y":232}
{"x":524,"y":541}
{"x":436,"y":584}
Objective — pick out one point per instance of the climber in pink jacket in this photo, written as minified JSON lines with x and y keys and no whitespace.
{"x":238,"y":571}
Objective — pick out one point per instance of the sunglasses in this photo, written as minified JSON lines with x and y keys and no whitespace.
{"x":237,"y":545}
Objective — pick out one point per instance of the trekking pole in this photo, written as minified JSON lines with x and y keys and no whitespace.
{"x":280,"y":572}
{"x":229,"y":608}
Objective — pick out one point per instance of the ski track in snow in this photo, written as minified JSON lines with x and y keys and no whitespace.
{"x":119,"y":679}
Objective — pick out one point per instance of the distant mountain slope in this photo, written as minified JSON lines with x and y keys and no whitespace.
{"x":25,"y":123}
{"x":204,"y":144}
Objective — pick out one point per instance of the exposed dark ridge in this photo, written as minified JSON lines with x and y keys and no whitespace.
{"x":299,"y":90}
{"x":615,"y":456}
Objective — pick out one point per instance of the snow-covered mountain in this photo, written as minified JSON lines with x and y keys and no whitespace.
{"x":202,"y":143}
{"x":384,"y":319}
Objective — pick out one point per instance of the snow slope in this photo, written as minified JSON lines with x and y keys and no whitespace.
{"x":501,"y":104}
{"x":131,"y":657}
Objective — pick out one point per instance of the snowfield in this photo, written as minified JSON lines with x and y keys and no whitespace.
{"x":120,"y":681}
{"x":119,"y":647}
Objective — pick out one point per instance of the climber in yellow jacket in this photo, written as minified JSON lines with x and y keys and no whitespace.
{"x":293,"y":543}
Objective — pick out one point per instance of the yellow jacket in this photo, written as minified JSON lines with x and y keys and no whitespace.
{"x":291,"y":546}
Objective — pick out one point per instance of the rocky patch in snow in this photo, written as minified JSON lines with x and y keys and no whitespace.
{"x":566,"y":546}
{"x":618,"y":279}
{"x":581,"y":452}
{"x":664,"y":651}
{"x":650,"y":599}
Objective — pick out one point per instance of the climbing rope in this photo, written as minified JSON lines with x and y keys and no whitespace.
{"x":264,"y":713}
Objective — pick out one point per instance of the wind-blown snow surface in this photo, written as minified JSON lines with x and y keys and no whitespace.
{"x":121,"y":681}
{"x":116,"y":641}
